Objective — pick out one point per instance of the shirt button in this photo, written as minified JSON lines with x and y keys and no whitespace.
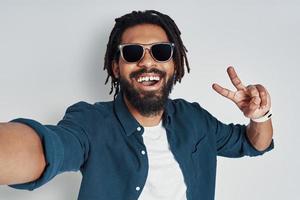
{"x":139,"y":128}
{"x":137,"y":188}
{"x":143,"y":152}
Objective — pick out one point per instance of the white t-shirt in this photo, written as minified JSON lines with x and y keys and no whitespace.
{"x":165,"y":180}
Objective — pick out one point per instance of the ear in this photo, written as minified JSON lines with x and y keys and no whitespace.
{"x":116,"y":69}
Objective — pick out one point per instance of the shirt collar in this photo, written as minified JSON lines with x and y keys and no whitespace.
{"x":128,"y":122}
{"x":169,"y":111}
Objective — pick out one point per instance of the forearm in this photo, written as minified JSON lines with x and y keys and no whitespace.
{"x":21,"y":154}
{"x":260,"y":134}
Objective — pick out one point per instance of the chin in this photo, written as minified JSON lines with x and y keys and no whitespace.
{"x":147,"y":102}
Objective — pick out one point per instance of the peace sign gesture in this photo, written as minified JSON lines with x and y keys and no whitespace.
{"x":253,"y":100}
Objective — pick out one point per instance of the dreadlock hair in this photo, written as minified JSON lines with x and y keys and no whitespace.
{"x":144,"y":17}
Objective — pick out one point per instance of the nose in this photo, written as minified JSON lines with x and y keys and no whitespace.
{"x":147,"y":60}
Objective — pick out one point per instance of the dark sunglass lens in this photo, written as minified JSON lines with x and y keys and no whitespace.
{"x":162,"y":52}
{"x":132,"y":53}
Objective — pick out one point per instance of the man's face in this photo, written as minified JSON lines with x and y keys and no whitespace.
{"x":148,"y":97}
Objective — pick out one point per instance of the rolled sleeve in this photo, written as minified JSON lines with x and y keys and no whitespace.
{"x":65,"y":145}
{"x":232,"y":141}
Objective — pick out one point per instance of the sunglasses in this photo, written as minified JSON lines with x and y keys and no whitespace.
{"x":160,"y":52}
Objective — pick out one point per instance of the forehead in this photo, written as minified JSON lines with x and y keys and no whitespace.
{"x":144,"y":34}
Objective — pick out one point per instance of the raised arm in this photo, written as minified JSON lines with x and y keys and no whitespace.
{"x":255,"y":102}
{"x":21,"y":154}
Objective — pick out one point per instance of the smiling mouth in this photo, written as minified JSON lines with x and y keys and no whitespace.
{"x":149,"y":79}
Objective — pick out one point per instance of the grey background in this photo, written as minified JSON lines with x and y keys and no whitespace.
{"x":51,"y":56}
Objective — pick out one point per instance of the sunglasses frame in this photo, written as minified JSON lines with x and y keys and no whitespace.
{"x":146,"y":47}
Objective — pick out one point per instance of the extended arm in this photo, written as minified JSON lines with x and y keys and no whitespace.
{"x":21,"y":154}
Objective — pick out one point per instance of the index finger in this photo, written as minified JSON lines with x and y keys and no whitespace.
{"x":236,"y":81}
{"x":223,"y":91}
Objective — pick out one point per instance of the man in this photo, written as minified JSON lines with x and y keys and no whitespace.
{"x":141,"y":145}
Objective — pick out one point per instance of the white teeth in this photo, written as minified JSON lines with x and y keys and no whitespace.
{"x":147,"y":78}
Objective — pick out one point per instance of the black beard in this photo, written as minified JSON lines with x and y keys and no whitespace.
{"x":148,"y":103}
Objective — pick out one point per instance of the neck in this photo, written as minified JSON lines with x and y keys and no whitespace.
{"x":143,"y":120}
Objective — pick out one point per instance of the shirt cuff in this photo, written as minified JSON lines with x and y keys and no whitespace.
{"x":256,"y":152}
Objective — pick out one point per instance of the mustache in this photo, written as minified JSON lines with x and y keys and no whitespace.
{"x":144,"y":71}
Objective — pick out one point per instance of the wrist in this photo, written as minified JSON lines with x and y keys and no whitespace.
{"x":264,"y":118}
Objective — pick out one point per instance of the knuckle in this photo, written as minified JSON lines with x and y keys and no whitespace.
{"x":254,"y":91}
{"x":237,"y":80}
{"x":262,"y":93}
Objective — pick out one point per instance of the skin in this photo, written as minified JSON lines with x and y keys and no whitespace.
{"x":21,"y":154}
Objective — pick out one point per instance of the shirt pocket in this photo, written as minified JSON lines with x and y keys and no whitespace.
{"x":203,"y":159}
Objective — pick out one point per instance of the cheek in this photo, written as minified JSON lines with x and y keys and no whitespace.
{"x":125,"y":69}
{"x":170,"y":68}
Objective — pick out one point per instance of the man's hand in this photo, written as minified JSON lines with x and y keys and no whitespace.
{"x":253,"y":100}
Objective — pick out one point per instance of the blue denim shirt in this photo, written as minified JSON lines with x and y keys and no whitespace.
{"x":104,"y":142}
